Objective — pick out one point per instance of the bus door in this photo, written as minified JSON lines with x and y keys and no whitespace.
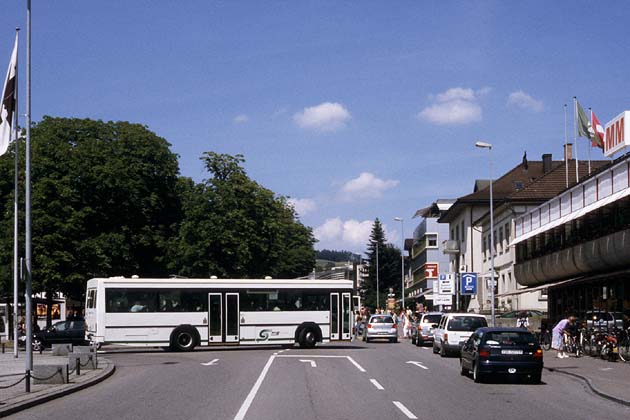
{"x":223,"y":318}
{"x":340,"y":316}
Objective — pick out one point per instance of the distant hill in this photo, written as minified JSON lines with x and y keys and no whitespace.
{"x":336,"y":256}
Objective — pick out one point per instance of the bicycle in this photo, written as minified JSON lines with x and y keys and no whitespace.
{"x":572,"y":345}
{"x":624,"y":345}
{"x":544,"y":339}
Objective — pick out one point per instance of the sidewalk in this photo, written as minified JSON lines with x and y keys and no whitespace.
{"x":15,"y":398}
{"x":610,"y":380}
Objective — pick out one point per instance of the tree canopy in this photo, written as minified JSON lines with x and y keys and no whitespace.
{"x":107,"y":200}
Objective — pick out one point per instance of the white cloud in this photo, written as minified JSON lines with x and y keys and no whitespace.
{"x":302,"y":206}
{"x":325,"y":117}
{"x":523,"y":100}
{"x":240,"y":119}
{"x":350,"y":234}
{"x":366,"y":185}
{"x":455,"y":106}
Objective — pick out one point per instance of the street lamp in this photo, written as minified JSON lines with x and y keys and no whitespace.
{"x":402,"y":258}
{"x":484,"y":145}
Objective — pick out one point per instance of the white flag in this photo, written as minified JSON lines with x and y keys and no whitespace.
{"x":7,"y":106}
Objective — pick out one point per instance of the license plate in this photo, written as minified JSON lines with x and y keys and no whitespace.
{"x":512,"y":370}
{"x":511,"y":352}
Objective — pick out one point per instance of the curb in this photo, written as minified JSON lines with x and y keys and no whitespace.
{"x":591,"y":386}
{"x":12,"y":409}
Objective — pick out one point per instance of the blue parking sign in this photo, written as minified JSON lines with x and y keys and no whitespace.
{"x":469,"y":284}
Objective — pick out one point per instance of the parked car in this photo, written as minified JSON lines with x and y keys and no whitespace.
{"x":502,"y":352}
{"x":423,"y":329}
{"x":60,"y":332}
{"x":380,"y":326}
{"x":454,"y":329}
{"x":604,"y":320}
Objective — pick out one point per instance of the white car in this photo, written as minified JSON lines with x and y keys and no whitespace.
{"x":454,"y":329}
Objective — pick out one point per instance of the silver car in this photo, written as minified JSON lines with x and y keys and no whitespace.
{"x":423,"y":331}
{"x":381,"y":326}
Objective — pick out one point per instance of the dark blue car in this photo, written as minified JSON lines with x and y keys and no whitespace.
{"x":505,"y":352}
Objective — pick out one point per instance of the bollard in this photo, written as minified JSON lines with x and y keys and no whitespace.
{"x":2,"y":348}
{"x":28,"y":380}
{"x":78,"y":366}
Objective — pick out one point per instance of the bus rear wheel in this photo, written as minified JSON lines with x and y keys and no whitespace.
{"x":308,"y":338}
{"x":183,"y":339}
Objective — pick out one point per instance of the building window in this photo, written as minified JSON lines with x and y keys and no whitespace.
{"x":432,"y":241}
{"x":463,"y":233}
{"x":494,"y":238}
{"x":483,"y":247}
{"x":457,"y":233}
{"x":507,"y":233}
{"x":500,"y":240}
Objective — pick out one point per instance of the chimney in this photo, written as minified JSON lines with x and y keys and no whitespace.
{"x":568,"y":151}
{"x":546,"y":158}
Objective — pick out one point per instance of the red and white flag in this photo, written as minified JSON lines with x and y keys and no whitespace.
{"x":598,"y":139}
{"x":7,"y":101}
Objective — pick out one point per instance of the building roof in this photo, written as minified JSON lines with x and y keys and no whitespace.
{"x":550,"y":184}
{"x":436,"y":208}
{"x":511,"y":182}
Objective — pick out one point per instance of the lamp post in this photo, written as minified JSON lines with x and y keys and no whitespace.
{"x":402,"y":259}
{"x":484,"y":145}
{"x":378,"y":303}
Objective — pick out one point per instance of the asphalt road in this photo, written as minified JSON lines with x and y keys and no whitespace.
{"x":332,"y":382}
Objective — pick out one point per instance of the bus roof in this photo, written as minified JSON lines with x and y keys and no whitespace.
{"x":224,"y":283}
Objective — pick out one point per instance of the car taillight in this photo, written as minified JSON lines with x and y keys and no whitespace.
{"x":419,"y":328}
{"x":484,"y":353}
{"x":538,"y":354}
{"x":369,"y":325}
{"x":395,"y":326}
{"x":445,"y":336}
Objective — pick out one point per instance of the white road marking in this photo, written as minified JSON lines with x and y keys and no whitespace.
{"x":419,"y":364}
{"x":376,"y":384}
{"x":404,"y":409}
{"x":356,"y":364}
{"x":211,"y":363}
{"x":252,"y":394}
{"x":608,"y":368}
{"x":312,"y":362}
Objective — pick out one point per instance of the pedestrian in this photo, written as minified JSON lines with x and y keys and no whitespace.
{"x":407,"y":326}
{"x":557,"y":342}
{"x":522,"y":321}
{"x":357,"y":324}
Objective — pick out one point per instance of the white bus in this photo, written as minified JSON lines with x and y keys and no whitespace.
{"x":184,"y":313}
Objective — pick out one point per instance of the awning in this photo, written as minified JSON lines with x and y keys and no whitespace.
{"x":537,"y":288}
{"x":573,"y":215}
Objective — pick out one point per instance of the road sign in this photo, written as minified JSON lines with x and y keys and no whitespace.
{"x":446,"y":284}
{"x":431,"y":270}
{"x":442,"y":299}
{"x":469,"y":284}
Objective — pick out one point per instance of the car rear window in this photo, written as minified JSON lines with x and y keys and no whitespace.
{"x":509,"y":338}
{"x":431,"y":319}
{"x":466,"y":323}
{"x":382,"y":320}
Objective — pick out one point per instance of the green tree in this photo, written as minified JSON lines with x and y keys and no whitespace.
{"x":104,"y":202}
{"x":388,"y":268}
{"x":234,"y":227}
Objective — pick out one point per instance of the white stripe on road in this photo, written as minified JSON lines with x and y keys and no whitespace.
{"x":312,"y":355}
{"x":356,"y":364}
{"x":376,"y":384}
{"x":252,"y":394}
{"x":404,"y":409}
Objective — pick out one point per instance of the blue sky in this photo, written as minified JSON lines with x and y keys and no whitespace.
{"x":356,"y":110}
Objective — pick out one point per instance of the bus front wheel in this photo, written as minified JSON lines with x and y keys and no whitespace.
{"x":183,"y":339}
{"x":308,"y":338}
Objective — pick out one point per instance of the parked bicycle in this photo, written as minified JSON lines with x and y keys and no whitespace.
{"x":572,"y":345}
{"x":623,"y":345}
{"x":544,"y":338}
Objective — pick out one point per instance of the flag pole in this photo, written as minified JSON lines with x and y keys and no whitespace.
{"x":15,"y":212}
{"x":591,"y":141}
{"x":27,"y":213}
{"x":566,"y":151}
{"x":577,"y":172}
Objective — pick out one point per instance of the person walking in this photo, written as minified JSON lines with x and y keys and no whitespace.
{"x":557,"y":338}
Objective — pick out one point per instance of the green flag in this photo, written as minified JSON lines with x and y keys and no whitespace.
{"x":585,"y":129}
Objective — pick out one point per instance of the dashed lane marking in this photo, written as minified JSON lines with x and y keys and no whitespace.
{"x":404,"y":410}
{"x":210,"y":363}
{"x":376,"y":384}
{"x":419,"y":364}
